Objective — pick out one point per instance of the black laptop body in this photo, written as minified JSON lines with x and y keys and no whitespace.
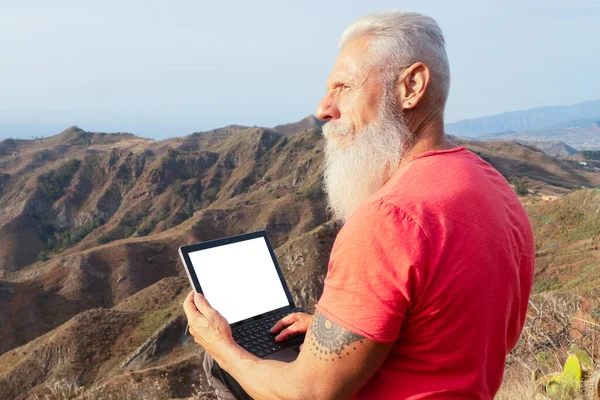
{"x":241,"y":278}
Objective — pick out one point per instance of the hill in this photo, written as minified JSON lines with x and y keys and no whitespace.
{"x":307,"y":123}
{"x":580,"y":134}
{"x":564,"y":312}
{"x":544,"y":174}
{"x":101,"y":222}
{"x":568,"y":241}
{"x":552,"y":148}
{"x":526,"y":120}
{"x":90,"y":223}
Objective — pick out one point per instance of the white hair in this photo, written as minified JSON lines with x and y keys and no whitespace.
{"x":401,"y":39}
{"x":358,"y":169}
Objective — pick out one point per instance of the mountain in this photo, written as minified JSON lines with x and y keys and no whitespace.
{"x":552,"y":148}
{"x":90,"y":281}
{"x":89,"y":221}
{"x":567,"y":241}
{"x":580,"y":134}
{"x":526,"y":120}
{"x":310,"y":122}
{"x":545,"y":174}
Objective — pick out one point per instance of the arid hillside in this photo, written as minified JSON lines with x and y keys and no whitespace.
{"x":90,"y":223}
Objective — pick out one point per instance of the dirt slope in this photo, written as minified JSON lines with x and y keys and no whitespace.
{"x":90,"y":280}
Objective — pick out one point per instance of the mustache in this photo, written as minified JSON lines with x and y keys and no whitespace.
{"x":337,"y":128}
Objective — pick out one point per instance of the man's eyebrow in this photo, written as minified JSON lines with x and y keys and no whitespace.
{"x":341,"y":79}
{"x":332,"y":84}
{"x":338,"y":78}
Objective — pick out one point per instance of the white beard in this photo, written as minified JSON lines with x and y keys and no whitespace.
{"x":355,"y":171}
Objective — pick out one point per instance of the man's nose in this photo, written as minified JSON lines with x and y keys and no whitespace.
{"x":327,"y":109}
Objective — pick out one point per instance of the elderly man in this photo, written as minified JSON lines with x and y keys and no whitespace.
{"x":429,"y":278}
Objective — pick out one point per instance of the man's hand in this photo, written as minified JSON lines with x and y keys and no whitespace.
{"x":207,"y":326}
{"x":294,"y":323}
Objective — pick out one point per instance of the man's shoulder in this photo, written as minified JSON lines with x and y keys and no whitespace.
{"x":440,"y":178}
{"x":442,"y":184}
{"x":381,"y":220}
{"x":378,"y":209}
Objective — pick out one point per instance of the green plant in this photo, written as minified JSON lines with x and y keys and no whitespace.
{"x":53,"y":183}
{"x":591,"y":154}
{"x":587,"y":364}
{"x":572,"y":374}
{"x":546,"y":283}
{"x":209,"y":195}
{"x":569,"y":383}
{"x":544,"y":361}
{"x":57,"y":239}
{"x":43,"y":256}
{"x":314,"y":191}
{"x":521,"y":185}
{"x":177,"y":188}
{"x":315,"y":134}
{"x":147,"y":227}
{"x":108,"y":237}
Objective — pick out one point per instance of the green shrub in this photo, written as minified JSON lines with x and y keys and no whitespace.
{"x":57,"y":239}
{"x":521,"y":185}
{"x":209,"y":195}
{"x":315,"y":191}
{"x":316,"y":134}
{"x":53,"y":183}
{"x":147,"y":227}
{"x":43,"y":256}
{"x":108,"y":237}
{"x":546,"y":284}
{"x":177,"y":188}
{"x":591,"y":154}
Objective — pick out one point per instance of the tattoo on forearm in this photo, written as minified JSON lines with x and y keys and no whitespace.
{"x":329,"y":341}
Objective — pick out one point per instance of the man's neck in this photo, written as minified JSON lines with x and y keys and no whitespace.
{"x":429,"y":136}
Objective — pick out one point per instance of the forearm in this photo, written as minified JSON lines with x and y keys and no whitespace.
{"x":265,"y":379}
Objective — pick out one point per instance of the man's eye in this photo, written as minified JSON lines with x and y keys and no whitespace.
{"x":341,"y":88}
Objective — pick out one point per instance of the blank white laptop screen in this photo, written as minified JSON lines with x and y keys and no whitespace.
{"x":239,"y":280}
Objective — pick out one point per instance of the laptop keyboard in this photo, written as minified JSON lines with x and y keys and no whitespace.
{"x":257,"y":338}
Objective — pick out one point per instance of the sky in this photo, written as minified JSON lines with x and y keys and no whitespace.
{"x":169,"y":68}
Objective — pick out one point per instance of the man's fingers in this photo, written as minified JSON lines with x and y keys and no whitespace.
{"x":195,"y":302}
{"x":191,"y":312}
{"x":284,"y":334}
{"x":283,"y":322}
{"x":203,"y":306}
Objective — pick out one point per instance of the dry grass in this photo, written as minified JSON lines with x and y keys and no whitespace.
{"x":556,"y":325}
{"x":156,"y":389}
{"x":517,"y":384}
{"x":59,"y":389}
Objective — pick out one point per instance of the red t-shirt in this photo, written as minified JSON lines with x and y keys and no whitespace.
{"x":439,"y":262}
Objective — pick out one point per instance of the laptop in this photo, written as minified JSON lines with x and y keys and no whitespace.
{"x":241,"y":278}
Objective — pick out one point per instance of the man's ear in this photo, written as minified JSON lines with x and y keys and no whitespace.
{"x":412,"y":85}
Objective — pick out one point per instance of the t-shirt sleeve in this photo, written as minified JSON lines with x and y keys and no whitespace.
{"x":375,"y":272}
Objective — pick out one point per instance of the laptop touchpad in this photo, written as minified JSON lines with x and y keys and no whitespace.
{"x":285,"y":355}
